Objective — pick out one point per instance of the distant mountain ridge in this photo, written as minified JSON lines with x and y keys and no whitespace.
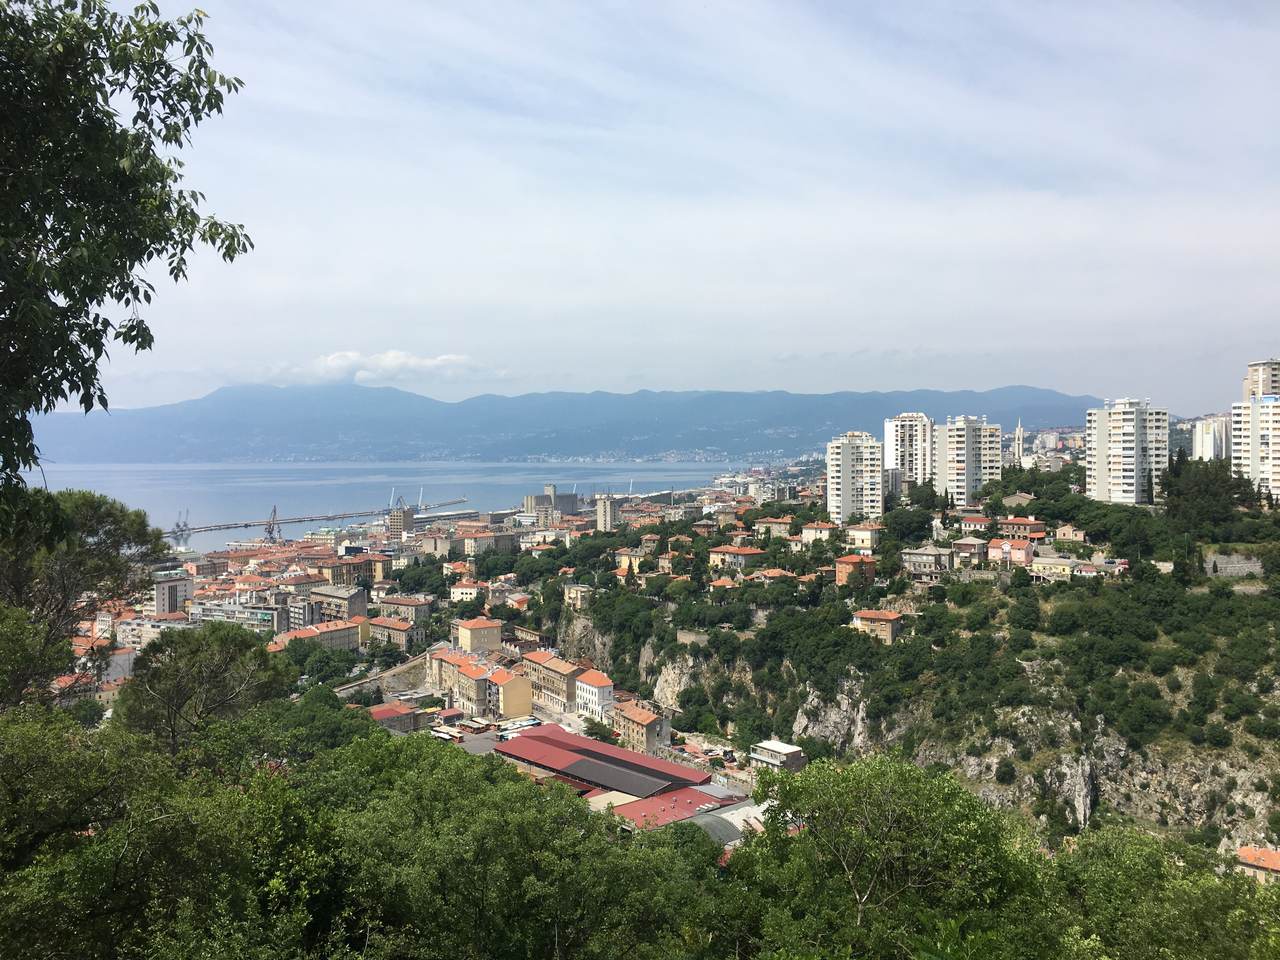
{"x":351,"y":422}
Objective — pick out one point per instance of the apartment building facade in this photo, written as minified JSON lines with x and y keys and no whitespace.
{"x":1255,"y":428}
{"x":966,"y":456}
{"x":855,"y":477}
{"x":1126,"y":448}
{"x":908,"y":447}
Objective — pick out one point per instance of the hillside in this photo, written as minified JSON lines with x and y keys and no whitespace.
{"x":350,"y":422}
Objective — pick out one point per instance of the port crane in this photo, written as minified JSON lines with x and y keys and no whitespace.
{"x":182,"y":530}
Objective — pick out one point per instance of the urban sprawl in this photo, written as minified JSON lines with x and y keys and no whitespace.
{"x":446,"y":624}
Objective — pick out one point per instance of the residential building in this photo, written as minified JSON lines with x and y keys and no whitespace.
{"x":776,"y":755}
{"x":577,"y":596}
{"x":1260,"y":863}
{"x":1126,"y":448}
{"x":818,"y":530}
{"x":255,"y":617}
{"x":855,"y":477}
{"x":332,"y":635}
{"x":1054,"y":569}
{"x":733,"y":558}
{"x":1021,"y":528}
{"x":466,"y":590}
{"x":1211,"y":438}
{"x":608,"y":513}
{"x":1069,"y":533}
{"x":401,"y":634}
{"x":1261,"y":379}
{"x":479,"y":634}
{"x":908,"y":447}
{"x":638,"y":727}
{"x":884,"y":625}
{"x":339,"y":602}
{"x":969,"y":550}
{"x":1255,"y":442}
{"x":593,"y":693}
{"x":856,"y":569}
{"x":553,"y":680}
{"x":864,"y":537}
{"x":173,"y":590}
{"x":966,"y":456}
{"x":1010,"y":553}
{"x":928,"y":563}
{"x":406,"y":607}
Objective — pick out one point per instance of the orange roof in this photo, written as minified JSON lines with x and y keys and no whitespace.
{"x":501,"y":676}
{"x":738,"y":551}
{"x":472,"y":670}
{"x":479,"y":623}
{"x":819,"y":525}
{"x":391,"y":623}
{"x":1261,"y":857}
{"x":395,"y":708}
{"x":724,"y":582}
{"x":594,"y":678}
{"x":855,"y":558}
{"x":539,"y":656}
{"x":878,"y":615}
{"x":634,"y":713}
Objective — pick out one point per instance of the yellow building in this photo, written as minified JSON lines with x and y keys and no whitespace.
{"x":480,"y":634}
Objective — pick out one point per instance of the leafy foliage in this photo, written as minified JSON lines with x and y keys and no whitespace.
{"x":97,"y":104}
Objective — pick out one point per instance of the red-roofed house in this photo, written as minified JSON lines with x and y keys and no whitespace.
{"x":639,"y":728}
{"x":479,"y":634}
{"x":1261,"y":863}
{"x":883,"y":624}
{"x":401,"y":634}
{"x":1016,"y":553}
{"x":593,"y":694}
{"x":395,"y":715}
{"x":855,"y":569}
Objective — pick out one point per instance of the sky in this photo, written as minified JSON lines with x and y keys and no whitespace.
{"x":497,"y":197}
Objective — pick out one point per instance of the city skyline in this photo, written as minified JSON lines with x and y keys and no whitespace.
{"x":497,"y":199}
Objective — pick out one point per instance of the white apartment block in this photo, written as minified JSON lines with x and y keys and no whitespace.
{"x":1210,"y":438}
{"x":908,"y":447}
{"x":1262,"y":379}
{"x":1255,"y":441}
{"x":855,"y":477}
{"x":966,"y":456}
{"x":1126,"y":445}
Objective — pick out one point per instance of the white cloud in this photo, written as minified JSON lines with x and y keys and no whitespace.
{"x":389,"y":368}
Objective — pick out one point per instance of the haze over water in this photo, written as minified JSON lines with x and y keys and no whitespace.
{"x":223,"y":492}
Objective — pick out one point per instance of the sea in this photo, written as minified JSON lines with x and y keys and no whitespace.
{"x":206,"y":493}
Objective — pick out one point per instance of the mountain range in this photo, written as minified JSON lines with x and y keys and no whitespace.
{"x":352,"y":422}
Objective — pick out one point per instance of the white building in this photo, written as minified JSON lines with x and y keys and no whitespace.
{"x":966,"y":456}
{"x":1262,"y":379}
{"x":1126,"y":448}
{"x":908,"y":447}
{"x":1211,"y":438}
{"x":594,"y":696}
{"x":855,"y":477}
{"x":1255,"y":441}
{"x":1018,"y":446}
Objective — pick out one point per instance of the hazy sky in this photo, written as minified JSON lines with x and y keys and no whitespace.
{"x":487,"y":197}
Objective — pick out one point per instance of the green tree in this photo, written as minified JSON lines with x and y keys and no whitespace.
{"x":97,"y":106}
{"x":68,"y":552}
{"x":188,"y":678}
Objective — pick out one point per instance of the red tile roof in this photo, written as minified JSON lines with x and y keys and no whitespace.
{"x":594,"y":678}
{"x":878,"y":615}
{"x":1260,"y":857}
